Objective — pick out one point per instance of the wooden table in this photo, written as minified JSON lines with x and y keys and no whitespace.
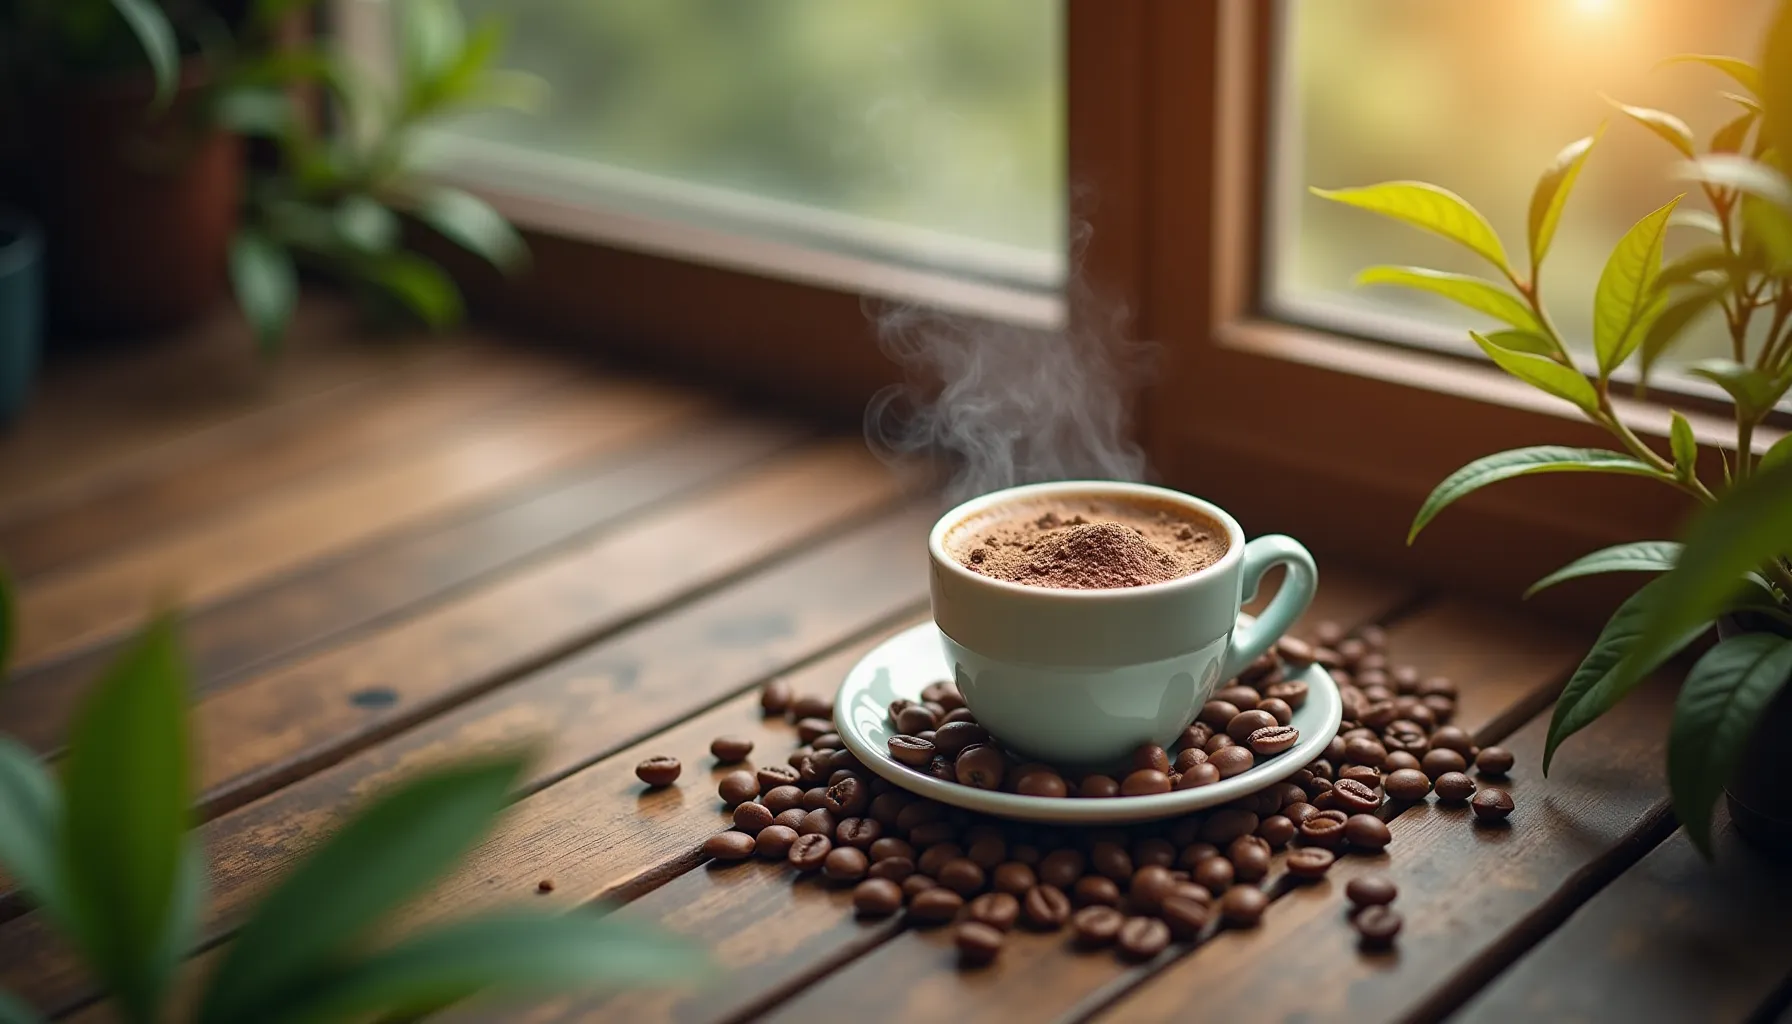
{"x":397,"y":553}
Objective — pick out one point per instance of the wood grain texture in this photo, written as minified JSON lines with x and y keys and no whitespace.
{"x":414,"y":405}
{"x":578,"y":711}
{"x":1676,"y":937}
{"x":1473,"y":897}
{"x":816,"y":932}
{"x":290,"y":526}
{"x":392,"y":577}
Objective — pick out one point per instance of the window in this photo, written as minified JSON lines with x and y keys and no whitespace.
{"x":1479,"y":97}
{"x":922,"y":133}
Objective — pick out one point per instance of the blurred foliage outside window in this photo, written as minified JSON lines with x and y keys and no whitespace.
{"x":1479,"y":97}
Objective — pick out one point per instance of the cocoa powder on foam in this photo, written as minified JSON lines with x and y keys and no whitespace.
{"x":1087,"y":545}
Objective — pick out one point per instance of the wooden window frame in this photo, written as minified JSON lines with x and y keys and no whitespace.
{"x":1331,"y":438}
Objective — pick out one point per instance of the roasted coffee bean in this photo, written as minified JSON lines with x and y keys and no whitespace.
{"x":958,"y":715}
{"x":752,"y":817}
{"x":1450,"y":737}
{"x":1203,"y":774}
{"x":1111,"y":859}
{"x":1400,"y":760}
{"x":1145,"y":782}
{"x":1041,"y":782}
{"x":896,"y":869}
{"x":1277,"y":830}
{"x":1214,"y":874}
{"x":827,"y":741}
{"x":849,"y":797}
{"x":845,"y":864}
{"x":944,"y":693}
{"x":1453,"y":787}
{"x":1328,"y":657}
{"x":1364,"y":750}
{"x":1216,"y":714}
{"x":887,"y":807}
{"x":1098,"y":787}
{"x":1250,"y":857}
{"x":1377,"y":926}
{"x":918,"y":813}
{"x":889,"y":846}
{"x":1242,"y":906}
{"x":941,"y":767}
{"x":1216,"y":743}
{"x":911,"y":750}
{"x":916,"y":884}
{"x":953,"y":737}
{"x":820,"y":821}
{"x":1424,"y":714}
{"x":1442,"y":708}
{"x":729,"y":846}
{"x":1150,"y":884}
{"x":877,"y":897}
{"x":932,"y":833}
{"x":859,"y":832}
{"x":1246,"y":722}
{"x":1362,"y":773}
{"x":842,"y":774}
{"x":1187,"y":759}
{"x":995,"y":909}
{"x":1185,"y":918}
{"x":1355,"y":797}
{"x":737,"y":787}
{"x":730,"y":749}
{"x":779,"y":799}
{"x":1195,"y":735}
{"x":1328,"y":634}
{"x":1233,"y":760}
{"x":1151,"y":850}
{"x":1240,"y":697}
{"x":1437,"y":686}
{"x":1012,"y":877}
{"x":978,"y":944}
{"x":1325,"y":828}
{"x":935,"y":857}
{"x":772,"y":776}
{"x":1495,"y":762}
{"x":980,"y":766}
{"x":812,"y":769}
{"x":1292,"y":692}
{"x":1194,"y":853}
{"x":985,"y":846}
{"x":934,"y":906}
{"x":1407,"y":784}
{"x":815,"y":798}
{"x":791,"y":819}
{"x":775,"y":697}
{"x":1260,"y":666}
{"x":1151,"y":756}
{"x":1492,"y":804}
{"x":807,"y":729}
{"x":1277,"y":708}
{"x":1405,"y":678}
{"x":1367,"y":832}
{"x":659,"y":771}
{"x":962,"y":876}
{"x":1309,"y":862}
{"x":1441,"y":761}
{"x":916,"y":718}
{"x":1045,"y":907}
{"x":1272,"y":740}
{"x":812,"y":706}
{"x":1295,"y":649}
{"x":1096,"y":925}
{"x":1141,"y":938}
{"x":774,"y":841}
{"x":1228,"y":823}
{"x":1377,"y":695}
{"x":1298,"y":812}
{"x":1095,"y":890}
{"x":1372,"y":890}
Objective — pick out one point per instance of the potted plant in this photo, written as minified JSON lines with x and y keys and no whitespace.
{"x":1734,"y":570}
{"x":104,"y":849}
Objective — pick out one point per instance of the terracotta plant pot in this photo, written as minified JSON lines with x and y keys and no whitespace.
{"x":139,"y":207}
{"x":1760,"y":803}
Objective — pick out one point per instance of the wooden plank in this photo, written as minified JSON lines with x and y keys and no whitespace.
{"x":439,"y":395}
{"x":1473,"y":898}
{"x":293,"y":525}
{"x":1498,"y":660}
{"x":387,"y":579}
{"x":1676,"y":937}
{"x":802,"y":932}
{"x":581,"y":710}
{"x":122,"y":406}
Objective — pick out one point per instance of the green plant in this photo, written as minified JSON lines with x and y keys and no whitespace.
{"x":107,"y":854}
{"x":333,"y":202}
{"x":1737,"y":558}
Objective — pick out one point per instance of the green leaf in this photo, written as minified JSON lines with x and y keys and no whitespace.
{"x":1637,"y":556}
{"x":1523,"y":462}
{"x":329,"y":903}
{"x":1686,"y":267}
{"x":128,"y":791}
{"x":156,"y":36}
{"x":1685,"y":446}
{"x":1747,"y":103}
{"x":507,"y":954}
{"x":1700,"y":220}
{"x":266,"y":13}
{"x":458,"y":80}
{"x":1667,"y":327}
{"x":1750,"y":388}
{"x":1551,"y":195}
{"x":1523,"y":341}
{"x":515,"y":90}
{"x":424,"y":288}
{"x":1780,"y":454}
{"x":1670,"y":128}
{"x":1730,"y":137}
{"x":1597,"y":685}
{"x":433,"y":37}
{"x":181,"y":935}
{"x":1769,"y":225}
{"x":1426,"y":206}
{"x":30,"y":820}
{"x":1742,"y":71}
{"x":1625,"y":297}
{"x":1743,"y":531}
{"x":1717,"y":711}
{"x":14,"y":1011}
{"x":1476,"y":293}
{"x":260,"y":111}
{"x":266,"y":284}
{"x":1734,"y":171}
{"x":365,"y":224}
{"x":1541,"y":373}
{"x":471,"y":223}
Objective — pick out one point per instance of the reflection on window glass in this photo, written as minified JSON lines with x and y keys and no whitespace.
{"x":1478,"y":98}
{"x":937,"y":114}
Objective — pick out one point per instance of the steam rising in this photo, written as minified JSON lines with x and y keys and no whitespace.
{"x":1012,"y":404}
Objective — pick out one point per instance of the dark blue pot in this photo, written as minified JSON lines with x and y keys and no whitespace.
{"x":21,"y":309}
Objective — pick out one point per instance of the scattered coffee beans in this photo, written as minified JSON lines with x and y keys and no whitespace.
{"x":1370,"y":890}
{"x":996,"y":909}
{"x":1495,"y":762}
{"x":1310,"y":862}
{"x":1492,"y":804}
{"x":737,"y":787}
{"x":877,"y":897}
{"x":729,"y":846}
{"x":1141,"y":938}
{"x":775,"y":697}
{"x":730,"y":749}
{"x":659,"y":771}
{"x":1367,"y":832}
{"x":1045,"y":907}
{"x":546,"y":885}
{"x":1243,"y":906}
{"x":1376,"y":926}
{"x":936,"y":905}
{"x":977,"y":943}
{"x":1453,"y":787}
{"x":1407,"y":784}
{"x":1096,"y":926}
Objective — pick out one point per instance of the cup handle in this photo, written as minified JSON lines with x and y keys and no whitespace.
{"x":1261,"y":555}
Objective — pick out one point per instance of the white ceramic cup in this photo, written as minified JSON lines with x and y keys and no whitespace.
{"x":1084,"y":677}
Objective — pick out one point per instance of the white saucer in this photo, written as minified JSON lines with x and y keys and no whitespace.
{"x":908,"y":661}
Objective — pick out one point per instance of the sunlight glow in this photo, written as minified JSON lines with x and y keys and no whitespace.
{"x":1594,"y":8}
